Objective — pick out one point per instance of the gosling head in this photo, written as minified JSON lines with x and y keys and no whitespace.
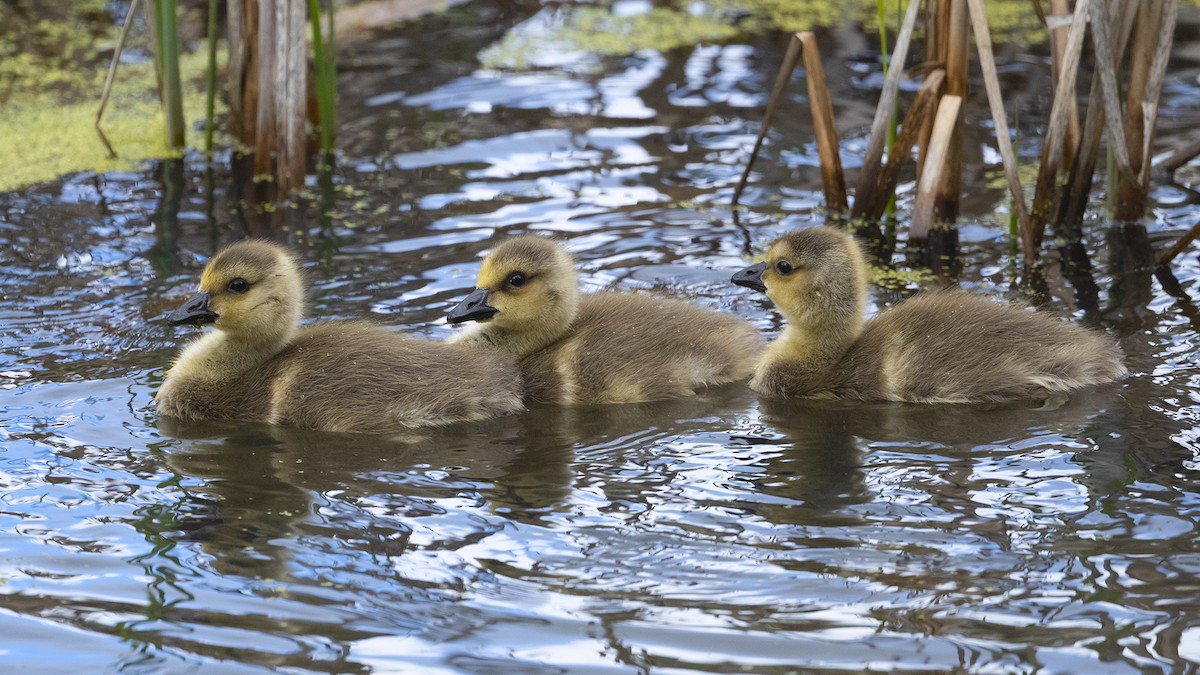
{"x":817,"y":278}
{"x":527,"y":286}
{"x":251,"y":290}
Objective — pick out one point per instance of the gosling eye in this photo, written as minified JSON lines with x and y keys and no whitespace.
{"x":516,"y":279}
{"x":239,"y":285}
{"x":783,"y":267}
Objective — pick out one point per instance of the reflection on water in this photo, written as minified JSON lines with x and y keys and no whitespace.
{"x":715,"y":534}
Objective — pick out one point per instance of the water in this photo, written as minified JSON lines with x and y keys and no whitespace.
{"x":719,"y":534}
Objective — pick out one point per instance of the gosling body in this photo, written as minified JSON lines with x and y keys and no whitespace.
{"x":604,"y":348}
{"x":937,"y":347}
{"x":260,"y":365}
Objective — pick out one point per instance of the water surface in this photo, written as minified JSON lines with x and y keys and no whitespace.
{"x":717,"y":534}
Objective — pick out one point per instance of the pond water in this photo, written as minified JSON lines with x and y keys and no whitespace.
{"x":721,"y":534}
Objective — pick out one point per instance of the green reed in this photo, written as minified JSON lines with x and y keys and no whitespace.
{"x":326,"y":73}
{"x":210,"y":101}
{"x":167,"y":33}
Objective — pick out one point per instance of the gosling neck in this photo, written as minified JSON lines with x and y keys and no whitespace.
{"x":220,"y":355}
{"x":815,"y":347}
{"x":823,"y":328}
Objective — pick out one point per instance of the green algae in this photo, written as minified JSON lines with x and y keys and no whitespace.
{"x":898,"y":279}
{"x":53,"y":59}
{"x":596,"y":30}
{"x":51,"y":45}
{"x":52,"y":134}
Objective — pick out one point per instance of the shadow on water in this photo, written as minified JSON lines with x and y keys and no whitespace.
{"x":1131,"y":263}
{"x":826,"y":440}
{"x":164,"y":254}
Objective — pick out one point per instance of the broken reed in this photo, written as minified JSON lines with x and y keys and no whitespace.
{"x":210,"y":103}
{"x":268,"y":81}
{"x":933,"y":122}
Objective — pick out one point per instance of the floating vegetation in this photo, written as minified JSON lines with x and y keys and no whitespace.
{"x":52,"y":47}
{"x":611,"y":28}
{"x":58,"y":136}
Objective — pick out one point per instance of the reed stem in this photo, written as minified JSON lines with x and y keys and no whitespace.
{"x":790,"y":60}
{"x":822,"y":113}
{"x":940,"y":144}
{"x":210,"y":103}
{"x":166,"y":12}
{"x":868,"y":177}
{"x":890,"y":209}
{"x":325,"y":77}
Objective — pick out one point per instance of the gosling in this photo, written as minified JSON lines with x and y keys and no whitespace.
{"x":603,"y":348}
{"x":940,"y":347}
{"x":260,"y":365}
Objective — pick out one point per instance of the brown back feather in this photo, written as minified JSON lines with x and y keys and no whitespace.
{"x":625,"y":347}
{"x":952,"y":346}
{"x":352,"y":376}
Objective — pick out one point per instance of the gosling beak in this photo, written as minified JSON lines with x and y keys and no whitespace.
{"x":751,"y":277}
{"x":474,"y":307}
{"x":195,"y":311}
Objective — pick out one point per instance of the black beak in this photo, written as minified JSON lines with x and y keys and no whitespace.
{"x":751,"y":277}
{"x":474,"y":307}
{"x":195,"y":311}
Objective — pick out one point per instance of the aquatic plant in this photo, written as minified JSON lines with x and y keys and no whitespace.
{"x":326,"y":72}
{"x":1066,"y":155}
{"x":52,"y":46}
{"x":269,"y":102}
{"x":269,"y":91}
{"x":59,"y":137}
{"x":166,"y":33}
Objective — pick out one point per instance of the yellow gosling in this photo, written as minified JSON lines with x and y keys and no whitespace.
{"x":937,"y":347}
{"x":603,"y":348}
{"x":260,"y":365}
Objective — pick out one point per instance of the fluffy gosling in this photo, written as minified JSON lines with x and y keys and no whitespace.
{"x":939,"y":347}
{"x":602,"y":348}
{"x":261,"y":365}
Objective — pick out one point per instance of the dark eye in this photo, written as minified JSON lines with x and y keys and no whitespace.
{"x":239,"y":285}
{"x":516,"y":279}
{"x":784,"y":267}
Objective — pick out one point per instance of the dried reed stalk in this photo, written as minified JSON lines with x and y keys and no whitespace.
{"x":821,"y":106}
{"x":1179,"y":247}
{"x":1149,"y":54}
{"x":949,"y":187}
{"x":790,"y":59}
{"x":1058,"y":43}
{"x":1181,"y":156}
{"x":1162,"y":269}
{"x":1076,"y":197}
{"x":112,"y":73}
{"x":927,"y":96}
{"x":1131,"y":196}
{"x":868,"y":177}
{"x":1052,"y":148}
{"x":264,"y":110}
{"x":1158,"y":70}
{"x":822,"y":112}
{"x":291,"y":95}
{"x":983,"y":42}
{"x":241,"y":29}
{"x":1106,"y":64}
{"x":937,"y":31}
{"x":944,"y":126}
